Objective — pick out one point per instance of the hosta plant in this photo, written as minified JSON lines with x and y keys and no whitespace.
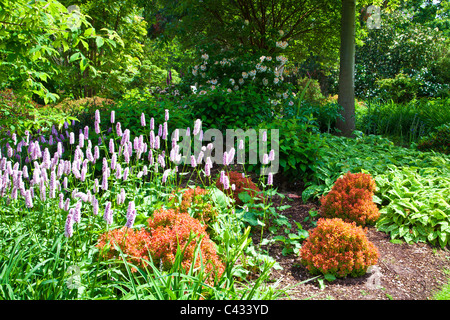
{"x":338,"y":248}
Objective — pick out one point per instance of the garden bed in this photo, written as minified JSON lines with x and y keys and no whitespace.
{"x":406,"y":271}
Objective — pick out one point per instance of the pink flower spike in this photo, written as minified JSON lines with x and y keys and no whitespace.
{"x":68,"y":230}
{"x":111,"y":146}
{"x":197,"y":126}
{"x":108,"y":215}
{"x":95,"y":206}
{"x":165,"y":131}
{"x":166,"y":116}
{"x":97,"y":127}
{"x":193,"y":162}
{"x":272,"y":155}
{"x":152,"y":124}
{"x":230,"y":156}
{"x":143,"y":120}
{"x":226,"y":182}
{"x":270,"y":179}
{"x":224,"y":159}
{"x":113,"y":116}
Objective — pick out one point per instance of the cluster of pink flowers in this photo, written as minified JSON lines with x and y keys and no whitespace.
{"x":50,"y":176}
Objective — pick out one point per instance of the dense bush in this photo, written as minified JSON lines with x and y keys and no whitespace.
{"x":312,"y":91}
{"x":350,"y":199}
{"x":323,"y":115}
{"x":401,"y":88}
{"x":237,"y":89}
{"x":438,"y":140}
{"x":300,"y":148}
{"x":221,"y":109}
{"x":168,"y":231}
{"x":131,"y":242}
{"x":19,"y":114}
{"x":171,"y":231}
{"x":408,"y":53}
{"x":338,"y":248}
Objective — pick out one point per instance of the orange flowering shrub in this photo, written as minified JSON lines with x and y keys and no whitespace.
{"x":355,"y":180}
{"x":197,"y":202}
{"x":338,"y":248}
{"x":351,"y":200}
{"x":132,"y":242}
{"x":241,"y":184}
{"x":170,"y":229}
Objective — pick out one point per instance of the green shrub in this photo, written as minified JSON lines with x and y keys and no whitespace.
{"x":323,"y":115}
{"x":313,"y":93}
{"x":401,"y":88}
{"x":415,"y":204}
{"x":18,"y":114}
{"x":223,"y":110}
{"x":438,"y":141}
{"x":129,"y":109}
{"x":299,"y":148}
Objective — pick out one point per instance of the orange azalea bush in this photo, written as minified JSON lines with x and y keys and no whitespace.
{"x":170,"y":229}
{"x":355,"y":180}
{"x":197,"y":202}
{"x":241,"y":185}
{"x":351,"y":200}
{"x":132,"y":242}
{"x":338,"y":248}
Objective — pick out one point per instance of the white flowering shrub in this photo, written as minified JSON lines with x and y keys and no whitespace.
{"x":239,"y":89}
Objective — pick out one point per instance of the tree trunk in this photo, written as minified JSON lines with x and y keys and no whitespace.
{"x":346,"y":96}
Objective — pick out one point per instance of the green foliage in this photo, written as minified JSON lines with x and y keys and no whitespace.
{"x":401,"y":88}
{"x":313,"y":94}
{"x":405,"y":51}
{"x":299,"y":148}
{"x":38,"y":39}
{"x":250,"y":25}
{"x":129,"y":109}
{"x":439,"y":140}
{"x":323,"y":115}
{"x":18,"y":114}
{"x":408,"y":122}
{"x":417,"y":208}
{"x":223,"y":110}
